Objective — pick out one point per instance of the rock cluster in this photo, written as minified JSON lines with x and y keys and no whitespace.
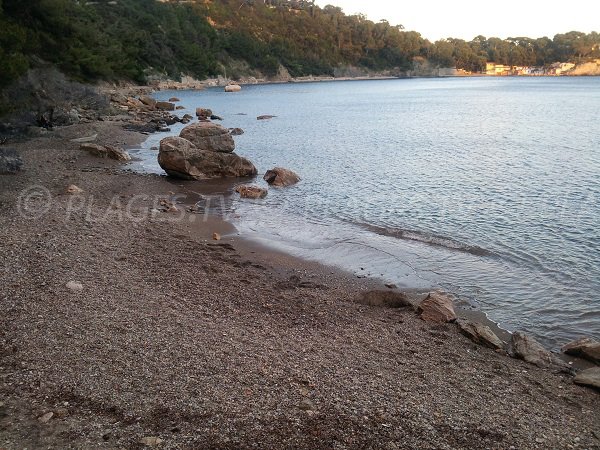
{"x":203,"y":150}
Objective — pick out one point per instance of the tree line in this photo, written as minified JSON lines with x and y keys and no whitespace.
{"x":135,"y":39}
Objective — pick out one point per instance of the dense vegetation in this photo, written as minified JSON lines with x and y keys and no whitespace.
{"x":132,"y":39}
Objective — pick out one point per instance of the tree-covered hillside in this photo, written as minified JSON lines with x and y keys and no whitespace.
{"x":132,"y":39}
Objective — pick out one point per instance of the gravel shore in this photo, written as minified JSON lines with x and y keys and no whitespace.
{"x":171,"y":339}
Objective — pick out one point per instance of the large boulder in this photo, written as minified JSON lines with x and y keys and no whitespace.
{"x":10,"y":161}
{"x":182,"y":159}
{"x":584,"y":348}
{"x":589,"y":378}
{"x":209,"y":136}
{"x":438,"y":308}
{"x":165,"y":106}
{"x":280,"y":177}
{"x":148,"y":101}
{"x":528,"y":349}
{"x":480,"y":334}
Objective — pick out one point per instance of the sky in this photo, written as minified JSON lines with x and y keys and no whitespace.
{"x":465,"y":19}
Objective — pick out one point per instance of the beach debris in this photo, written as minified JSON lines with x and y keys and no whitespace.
{"x":589,"y":377}
{"x":151,"y":441}
{"x":73,"y":189}
{"x":251,"y":191}
{"x":386,"y":299}
{"x":209,"y":136}
{"x":437,"y":307}
{"x":10,"y":161}
{"x":106,"y":151}
{"x":480,"y":334}
{"x":280,"y":177}
{"x":82,"y":140}
{"x":585,"y":348}
{"x":45,"y":418}
{"x":181,"y":158}
{"x":203,"y":113}
{"x":216,"y":237}
{"x":529,"y":350}
{"x":233,"y":88}
{"x":174,"y":99}
{"x":75,"y":286}
{"x":236,"y":131}
{"x":165,"y":106}
{"x":265,"y":117}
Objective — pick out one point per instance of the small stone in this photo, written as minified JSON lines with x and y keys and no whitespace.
{"x":46,"y":417}
{"x":61,"y":412}
{"x":216,"y":236}
{"x":72,"y":189}
{"x":151,"y":441}
{"x":306,"y":405}
{"x":75,"y":286}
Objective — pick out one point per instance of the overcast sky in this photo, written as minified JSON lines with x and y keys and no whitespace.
{"x":465,"y":19}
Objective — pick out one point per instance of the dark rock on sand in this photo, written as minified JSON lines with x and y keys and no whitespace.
{"x":528,"y":349}
{"x":165,"y":106}
{"x":182,"y":159}
{"x":438,"y":308}
{"x":386,"y":299}
{"x":250,"y":191}
{"x":584,"y":348}
{"x":589,"y":377}
{"x":280,"y":177}
{"x":236,"y":131}
{"x":106,"y":151}
{"x":10,"y":161}
{"x":209,"y":136}
{"x":480,"y":334}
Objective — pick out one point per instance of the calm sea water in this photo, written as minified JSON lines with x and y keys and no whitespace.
{"x":486,"y":187}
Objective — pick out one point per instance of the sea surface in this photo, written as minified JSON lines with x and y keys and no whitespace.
{"x":488,"y":188}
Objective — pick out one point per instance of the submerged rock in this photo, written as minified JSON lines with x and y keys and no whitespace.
{"x":265,"y":117}
{"x":585,"y":348}
{"x":480,"y":334}
{"x":280,"y":177}
{"x":10,"y":161}
{"x":182,"y":159}
{"x":438,"y":308}
{"x":529,"y":350}
{"x":589,"y":378}
{"x":386,"y":299}
{"x":209,"y":136}
{"x":250,"y":191}
{"x":236,"y":131}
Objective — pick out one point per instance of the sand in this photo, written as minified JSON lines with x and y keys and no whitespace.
{"x":176,"y":340}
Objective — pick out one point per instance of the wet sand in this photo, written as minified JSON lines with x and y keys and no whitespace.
{"x":224,"y":344}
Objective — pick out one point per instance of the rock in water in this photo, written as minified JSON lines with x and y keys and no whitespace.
{"x":203,"y":113}
{"x":165,"y":106}
{"x":182,"y":159}
{"x":250,"y":191}
{"x":589,"y":377}
{"x":265,"y":117}
{"x":528,"y":349}
{"x":236,"y":131}
{"x":10,"y":161}
{"x":584,"y":348}
{"x":280,"y":177}
{"x":437,"y":308}
{"x":480,"y":334}
{"x":233,"y":88}
{"x":386,"y":299}
{"x":209,"y":136}
{"x":174,"y":99}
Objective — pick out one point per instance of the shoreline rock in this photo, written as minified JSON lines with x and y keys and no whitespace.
{"x":437,"y":308}
{"x":529,"y":350}
{"x":585,"y":348}
{"x":480,"y":334}
{"x":280,"y":177}
{"x":209,"y":136}
{"x":589,"y":378}
{"x":251,"y":191}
